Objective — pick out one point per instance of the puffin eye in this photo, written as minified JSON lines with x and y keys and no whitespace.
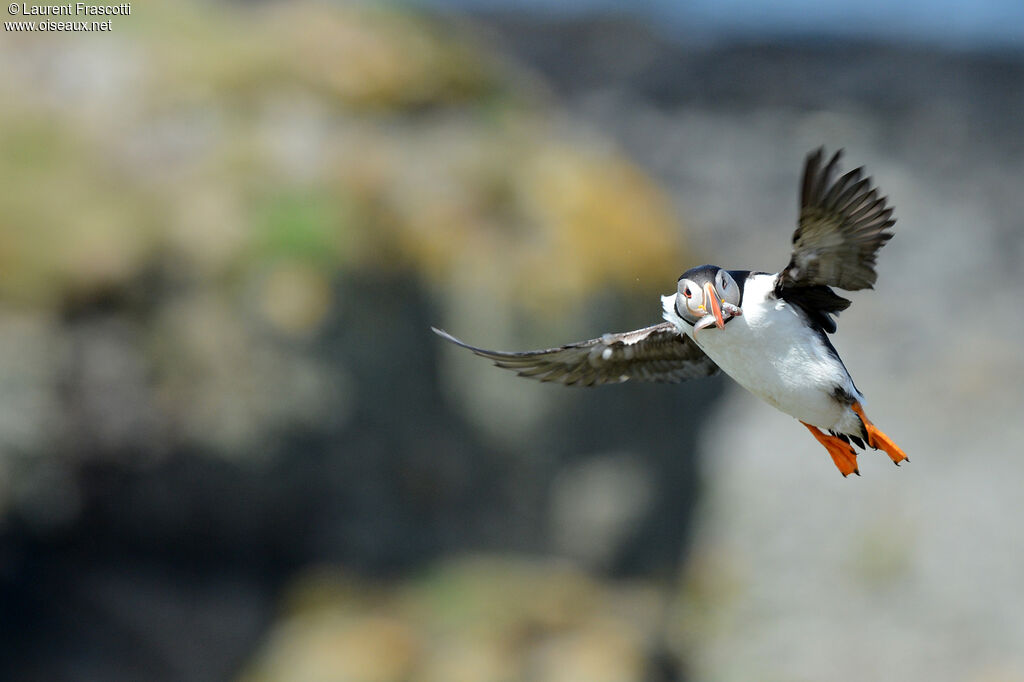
{"x":686,"y":292}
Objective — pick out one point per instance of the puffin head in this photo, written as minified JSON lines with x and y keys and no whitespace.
{"x":707,"y":295}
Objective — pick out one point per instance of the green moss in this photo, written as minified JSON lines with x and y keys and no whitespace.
{"x":302,"y":225}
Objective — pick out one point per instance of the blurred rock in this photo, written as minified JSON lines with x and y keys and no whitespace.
{"x":335,"y":646}
{"x":597,"y":504}
{"x":181,"y":211}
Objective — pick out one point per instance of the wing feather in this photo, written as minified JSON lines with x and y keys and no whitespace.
{"x":658,"y":353}
{"x":843,"y":223}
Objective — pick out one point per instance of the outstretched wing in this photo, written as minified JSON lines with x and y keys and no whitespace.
{"x":843,"y":223}
{"x":657,"y":353}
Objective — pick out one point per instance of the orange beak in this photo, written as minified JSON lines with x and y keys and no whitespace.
{"x":711,"y":299}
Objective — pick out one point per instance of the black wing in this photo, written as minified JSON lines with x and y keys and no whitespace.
{"x":657,"y":353}
{"x":843,"y":223}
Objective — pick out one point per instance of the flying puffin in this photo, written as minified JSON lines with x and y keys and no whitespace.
{"x":769,"y":332}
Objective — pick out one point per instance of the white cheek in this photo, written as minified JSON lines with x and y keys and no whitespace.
{"x":730,"y":294}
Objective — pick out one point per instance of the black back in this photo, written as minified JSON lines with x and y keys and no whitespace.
{"x":819,"y":303}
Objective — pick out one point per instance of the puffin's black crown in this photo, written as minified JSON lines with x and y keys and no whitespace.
{"x":700,"y":274}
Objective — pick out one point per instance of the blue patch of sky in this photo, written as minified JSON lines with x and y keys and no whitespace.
{"x":949,"y":23}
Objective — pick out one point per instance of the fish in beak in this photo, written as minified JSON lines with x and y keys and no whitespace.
{"x":714,"y":315}
{"x":711,"y":298}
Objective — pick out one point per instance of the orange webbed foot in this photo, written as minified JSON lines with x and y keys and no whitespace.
{"x":878,"y":440}
{"x":843,"y":454}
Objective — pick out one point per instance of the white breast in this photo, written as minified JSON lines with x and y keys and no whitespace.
{"x":772,"y":352}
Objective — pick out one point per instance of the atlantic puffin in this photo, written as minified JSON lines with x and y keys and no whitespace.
{"x":769,"y":332}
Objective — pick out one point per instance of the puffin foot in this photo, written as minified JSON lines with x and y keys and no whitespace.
{"x":878,"y":440}
{"x":842,"y":453}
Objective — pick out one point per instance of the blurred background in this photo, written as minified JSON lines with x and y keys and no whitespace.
{"x":231,"y":449}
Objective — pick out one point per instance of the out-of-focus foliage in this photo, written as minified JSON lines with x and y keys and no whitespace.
{"x":331,"y":136}
{"x":222,"y":165}
{"x":466,"y":620}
